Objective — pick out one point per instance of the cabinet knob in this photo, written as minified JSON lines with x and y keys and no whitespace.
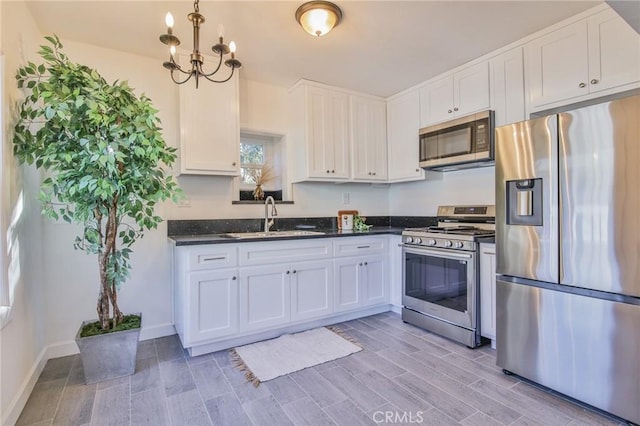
{"x":333,"y":171}
{"x":294,"y":271}
{"x":360,"y":264}
{"x":369,"y":173}
{"x":582,"y":85}
{"x":374,"y":173}
{"x":233,"y":164}
{"x":449,"y":111}
{"x":455,"y":109}
{"x":595,"y":81}
{"x":328,"y":171}
{"x":366,"y":263}
{"x":418,"y":170}
{"x":288,"y":272}
{"x":233,"y":278}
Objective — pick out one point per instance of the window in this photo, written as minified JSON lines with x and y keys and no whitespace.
{"x":261,"y":160}
{"x":252,"y":160}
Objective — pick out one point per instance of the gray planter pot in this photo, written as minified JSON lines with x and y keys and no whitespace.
{"x":108,"y":356}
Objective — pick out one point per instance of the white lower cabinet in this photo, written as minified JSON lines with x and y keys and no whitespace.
{"x":311,"y":290}
{"x":230,"y":294}
{"x":213,"y":304}
{"x":278,"y":294}
{"x":360,"y":282}
{"x":265,"y":297}
{"x":488,"y":292}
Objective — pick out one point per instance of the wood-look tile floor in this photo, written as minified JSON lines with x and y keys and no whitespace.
{"x":404,"y":375}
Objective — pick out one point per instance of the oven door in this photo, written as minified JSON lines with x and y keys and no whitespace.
{"x":441,"y":284}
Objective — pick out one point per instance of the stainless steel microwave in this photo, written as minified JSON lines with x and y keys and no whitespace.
{"x":462,"y":143}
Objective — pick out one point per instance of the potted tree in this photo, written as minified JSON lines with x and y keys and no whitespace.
{"x":103,"y":153}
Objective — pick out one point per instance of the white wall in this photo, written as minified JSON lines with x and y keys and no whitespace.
{"x":22,"y":338}
{"x":474,"y":186}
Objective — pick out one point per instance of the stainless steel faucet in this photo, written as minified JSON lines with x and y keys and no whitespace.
{"x":269,"y":222}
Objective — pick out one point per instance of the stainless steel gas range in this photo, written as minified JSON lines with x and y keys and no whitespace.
{"x":440,"y":274}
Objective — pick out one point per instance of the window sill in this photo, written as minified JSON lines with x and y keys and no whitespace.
{"x":261,"y":202}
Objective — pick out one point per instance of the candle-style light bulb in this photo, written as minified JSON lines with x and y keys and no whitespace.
{"x":232,"y":48}
{"x":168,"y":19}
{"x":220,"y":30}
{"x":172,"y":50}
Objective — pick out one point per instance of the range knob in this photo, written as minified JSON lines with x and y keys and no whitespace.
{"x":448,"y":243}
{"x":458,"y":244}
{"x":417,"y":240}
{"x":431,"y":242}
{"x":409,"y":240}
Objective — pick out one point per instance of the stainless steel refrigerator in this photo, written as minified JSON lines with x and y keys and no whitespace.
{"x":568,"y":253}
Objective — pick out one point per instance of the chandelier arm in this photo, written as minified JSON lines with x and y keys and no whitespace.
{"x":179,"y":68}
{"x":220,"y":81}
{"x":183,"y":81}
{"x":214,"y":71}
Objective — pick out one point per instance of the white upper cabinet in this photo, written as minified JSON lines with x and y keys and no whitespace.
{"x":507,"y":87}
{"x":403,"y":124}
{"x":582,"y":60}
{"x":455,"y":95}
{"x":336,"y":136}
{"x":318,"y":134}
{"x":614,"y":52}
{"x":209,"y":127}
{"x":368,"y":138}
{"x":328,"y":134}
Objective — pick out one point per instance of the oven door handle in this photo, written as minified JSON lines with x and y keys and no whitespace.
{"x":439,"y":253}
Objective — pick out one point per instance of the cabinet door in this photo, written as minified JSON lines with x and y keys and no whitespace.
{"x":265,"y":297}
{"x":471,"y":90}
{"x":311,"y":289}
{"x":213,"y":304}
{"x":557,"y":65}
{"x":507,"y":86}
{"x":403,"y":124}
{"x":488,"y":290}
{"x":375,"y":280}
{"x":328,"y":134}
{"x":436,"y":101}
{"x":347,"y":284}
{"x":614,"y":52}
{"x":368,"y":139}
{"x":209,"y":127}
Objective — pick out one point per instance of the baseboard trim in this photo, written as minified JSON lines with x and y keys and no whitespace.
{"x":20,"y":400}
{"x":160,"y":330}
{"x":395,"y":308}
{"x":60,"y":349}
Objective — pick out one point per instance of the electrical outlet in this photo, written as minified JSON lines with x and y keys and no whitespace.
{"x":184,"y":202}
{"x":346,"y":198}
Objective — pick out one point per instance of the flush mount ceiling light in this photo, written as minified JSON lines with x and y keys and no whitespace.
{"x":318,"y":17}
{"x":197,"y":59}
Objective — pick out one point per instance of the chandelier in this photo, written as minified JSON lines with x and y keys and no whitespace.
{"x":196,"y":58}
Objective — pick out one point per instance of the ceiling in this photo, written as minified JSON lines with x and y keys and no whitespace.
{"x":381,"y":47}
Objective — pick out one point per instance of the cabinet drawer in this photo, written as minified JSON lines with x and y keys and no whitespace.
{"x":209,"y":257}
{"x":354,"y":246}
{"x":284,"y":251}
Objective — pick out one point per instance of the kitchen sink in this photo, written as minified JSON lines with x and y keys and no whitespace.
{"x":271,"y":234}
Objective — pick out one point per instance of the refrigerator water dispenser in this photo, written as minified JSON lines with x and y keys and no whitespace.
{"x":524,"y":202}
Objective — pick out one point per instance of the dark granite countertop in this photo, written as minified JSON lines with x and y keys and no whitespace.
{"x":198,"y":239}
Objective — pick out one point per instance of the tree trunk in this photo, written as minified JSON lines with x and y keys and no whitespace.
{"x":108,"y":287}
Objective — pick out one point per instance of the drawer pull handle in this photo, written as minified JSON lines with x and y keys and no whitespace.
{"x":233,"y":278}
{"x":209,"y":259}
{"x":363,"y":247}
